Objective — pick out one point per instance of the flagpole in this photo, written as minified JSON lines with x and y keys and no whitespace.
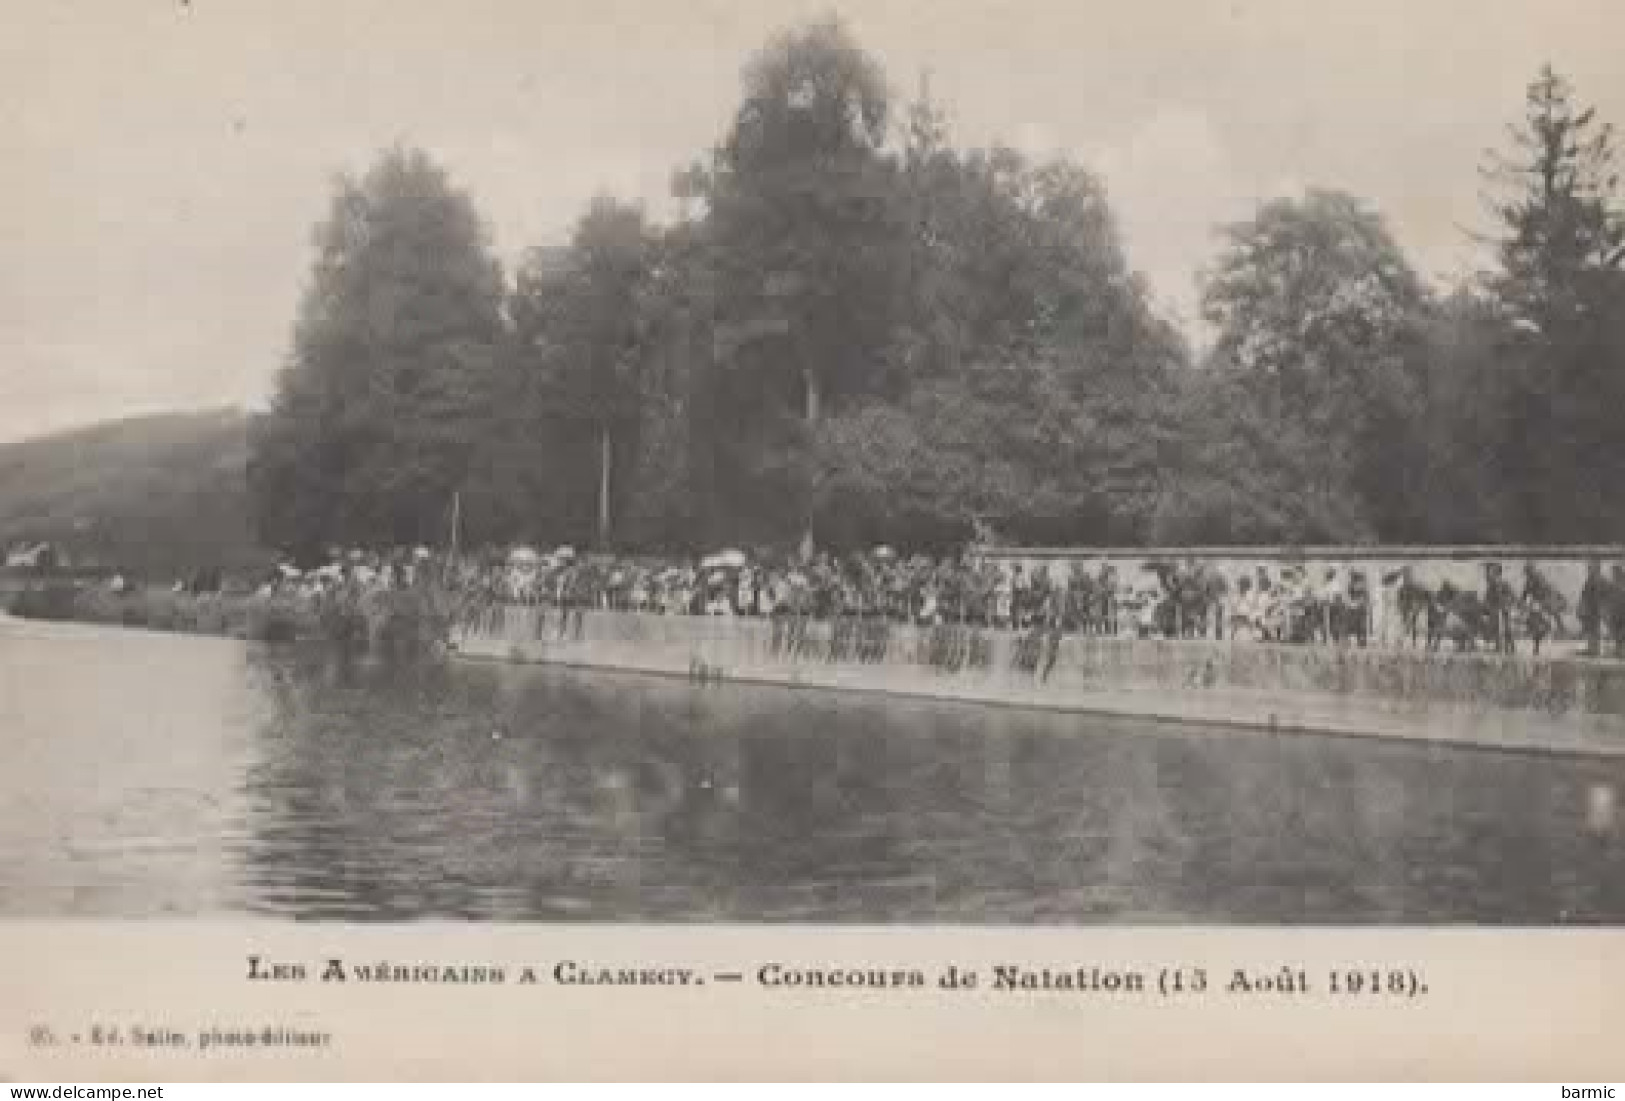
{"x":456,"y":516}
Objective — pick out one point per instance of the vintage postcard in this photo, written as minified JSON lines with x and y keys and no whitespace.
{"x":884,"y":539}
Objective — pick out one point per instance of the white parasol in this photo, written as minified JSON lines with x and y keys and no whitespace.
{"x":729,"y":559}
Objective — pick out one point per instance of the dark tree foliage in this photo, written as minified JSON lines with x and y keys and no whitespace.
{"x":1459,"y":479}
{"x":1560,"y":286}
{"x":858,"y":331}
{"x":580,"y":326}
{"x":1304,"y":417}
{"x":806,"y":244}
{"x":1037,"y":384}
{"x":390,"y":384}
{"x":1562,"y":235}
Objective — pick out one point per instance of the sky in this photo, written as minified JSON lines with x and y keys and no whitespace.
{"x":166,"y":160}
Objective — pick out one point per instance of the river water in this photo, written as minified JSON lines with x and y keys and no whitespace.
{"x":149,"y":775}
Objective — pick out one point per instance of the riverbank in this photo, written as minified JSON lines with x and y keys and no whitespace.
{"x":1521,"y":704}
{"x":226,"y":615}
{"x":395,"y":621}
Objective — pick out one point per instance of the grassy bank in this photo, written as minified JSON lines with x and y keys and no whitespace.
{"x":245,"y":616}
{"x":395,"y":623}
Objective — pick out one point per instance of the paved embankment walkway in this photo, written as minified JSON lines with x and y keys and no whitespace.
{"x":1237,"y":709}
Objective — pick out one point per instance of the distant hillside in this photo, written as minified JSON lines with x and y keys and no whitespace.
{"x":156,"y":496}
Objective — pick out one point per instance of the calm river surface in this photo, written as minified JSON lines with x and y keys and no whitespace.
{"x":158,"y":775}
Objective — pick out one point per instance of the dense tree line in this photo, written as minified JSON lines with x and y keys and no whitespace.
{"x":858,"y":332}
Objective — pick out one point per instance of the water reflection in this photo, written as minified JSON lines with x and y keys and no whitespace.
{"x":507,"y":793}
{"x":153,"y":775}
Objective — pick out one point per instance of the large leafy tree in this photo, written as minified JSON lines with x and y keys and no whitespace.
{"x":996,"y":443}
{"x":1033,"y":378}
{"x":579,"y":329}
{"x":671,"y":500}
{"x":1314,"y":371}
{"x":1560,"y":249}
{"x":395,"y":356}
{"x":1117,"y":360}
{"x":1468,"y":388}
{"x":802,"y":222}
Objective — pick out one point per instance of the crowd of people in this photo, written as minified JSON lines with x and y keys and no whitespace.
{"x":346,"y":572}
{"x":1162,"y":599}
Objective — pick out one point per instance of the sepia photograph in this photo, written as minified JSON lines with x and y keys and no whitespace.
{"x":788,"y":464}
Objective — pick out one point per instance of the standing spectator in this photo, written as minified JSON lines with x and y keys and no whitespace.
{"x":1357,"y":610}
{"x":1542,"y":605}
{"x":1003,"y":599}
{"x":1242,"y":612}
{"x":1146,"y":617}
{"x":1270,"y":601}
{"x":1387,"y":620}
{"x":1217,"y":598}
{"x":1415,"y":604}
{"x":1595,"y":602}
{"x":1106,"y":598}
{"x":1498,"y":601}
{"x":1327,"y":604}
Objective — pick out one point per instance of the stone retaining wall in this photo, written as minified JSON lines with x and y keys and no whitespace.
{"x":1551,"y":687}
